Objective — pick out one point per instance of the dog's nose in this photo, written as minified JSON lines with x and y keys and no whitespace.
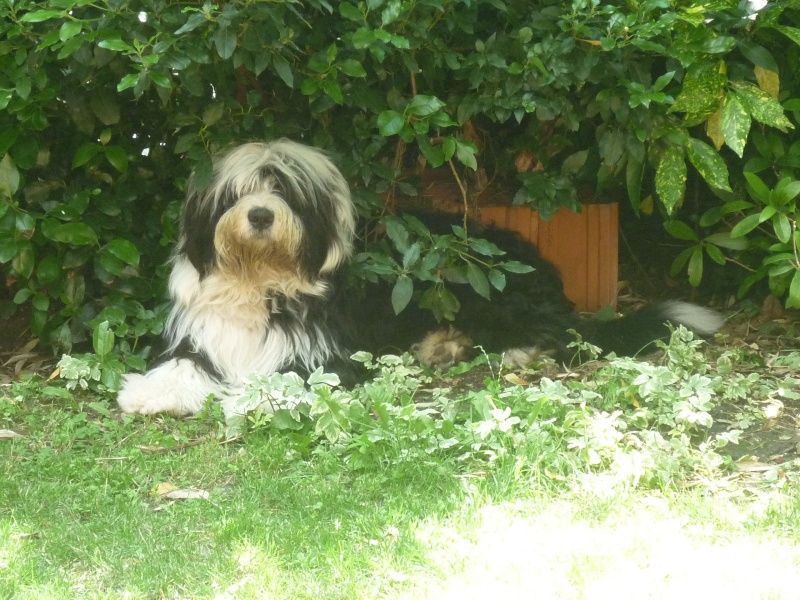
{"x":260,"y":218}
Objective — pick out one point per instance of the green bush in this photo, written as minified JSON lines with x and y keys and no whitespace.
{"x":107,"y":107}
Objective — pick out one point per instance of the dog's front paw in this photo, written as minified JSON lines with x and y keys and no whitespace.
{"x":139,"y":395}
{"x":521,"y":358}
{"x":176,"y":387}
{"x":443,"y":348}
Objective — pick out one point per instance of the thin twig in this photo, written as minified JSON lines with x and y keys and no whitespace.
{"x":463,"y":189}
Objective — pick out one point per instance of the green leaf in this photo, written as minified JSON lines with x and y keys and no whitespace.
{"x":757,"y":188}
{"x":735,"y":124}
{"x":390,"y":122}
{"x":448,"y":148}
{"x":758,"y":55}
{"x":761,"y":106}
{"x":40,"y":302}
{"x":118,"y":158}
{"x":465,"y":151}
{"x":411,"y":256}
{"x":130,"y":80}
{"x":671,"y":178}
{"x":49,"y":270}
{"x":24,"y":260}
{"x":725,"y":240}
{"x":225,"y":41}
{"x":84,"y":154}
{"x":352,"y":68}
{"x":195,"y":20}
{"x":185,"y":142}
{"x":767,"y":213}
{"x":477,"y":279}
{"x":38,"y":16}
{"x":695,"y":268}
{"x":213,"y":113}
{"x":310,"y":86}
{"x":350,"y":12}
{"x":485,"y":247}
{"x":160,"y":78}
{"x":423,"y":106}
{"x":9,"y":177}
{"x":125,"y":251}
{"x":78,"y":234}
{"x":782,"y":227}
{"x":746,"y":225}
{"x":392,"y":12}
{"x":634,"y":175}
{"x":320,"y":377}
{"x":433,"y":154}
{"x":401,"y":293}
{"x":715,"y":254}
{"x":793,"y":33}
{"x":69,"y":29}
{"x":103,"y":339}
{"x":23,"y":87}
{"x":513,"y":266}
{"x":662,"y":81}
{"x":680,"y":230}
{"x":105,"y":107}
{"x":785,"y":191}
{"x":793,"y":301}
{"x":497,"y":279}
{"x":116,"y":45}
{"x":283,"y":69}
{"x":363,"y":38}
{"x":74,"y":289}
{"x":709,"y":164}
{"x":333,"y":90}
{"x":22,"y":296}
{"x":8,"y":249}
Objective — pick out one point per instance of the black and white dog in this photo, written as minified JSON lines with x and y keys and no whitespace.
{"x":258,"y":287}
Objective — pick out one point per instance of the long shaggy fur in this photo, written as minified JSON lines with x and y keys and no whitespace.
{"x":257,"y":287}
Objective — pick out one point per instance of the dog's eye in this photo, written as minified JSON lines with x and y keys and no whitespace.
{"x":273,"y":179}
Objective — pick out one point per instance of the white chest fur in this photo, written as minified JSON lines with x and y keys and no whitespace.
{"x":231,"y":320}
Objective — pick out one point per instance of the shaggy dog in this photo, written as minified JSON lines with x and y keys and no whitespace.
{"x":258,"y":280}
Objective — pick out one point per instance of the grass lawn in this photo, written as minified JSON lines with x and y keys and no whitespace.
{"x":97,"y":505}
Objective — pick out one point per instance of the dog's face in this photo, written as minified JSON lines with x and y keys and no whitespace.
{"x":276,"y":209}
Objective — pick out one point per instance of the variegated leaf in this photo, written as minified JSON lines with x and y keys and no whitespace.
{"x":735,"y":124}
{"x":761,"y":106}
{"x":709,"y":164}
{"x":671,"y":178}
{"x":714,"y":129}
{"x":702,"y":91}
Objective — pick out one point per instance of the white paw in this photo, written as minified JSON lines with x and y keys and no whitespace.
{"x":519,"y":358}
{"x":176,"y":387}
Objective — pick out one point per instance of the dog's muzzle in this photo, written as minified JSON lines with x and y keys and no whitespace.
{"x":260,"y":218}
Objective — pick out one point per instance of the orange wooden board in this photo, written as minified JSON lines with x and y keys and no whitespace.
{"x":583,"y":246}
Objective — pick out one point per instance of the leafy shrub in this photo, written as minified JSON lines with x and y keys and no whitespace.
{"x":107,"y":108}
{"x":642,"y":423}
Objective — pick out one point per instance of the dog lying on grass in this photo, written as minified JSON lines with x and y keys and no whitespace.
{"x":258,"y":286}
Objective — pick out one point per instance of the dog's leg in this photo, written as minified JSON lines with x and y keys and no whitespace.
{"x":443,"y":348}
{"x":520,"y":358}
{"x":178,"y":387}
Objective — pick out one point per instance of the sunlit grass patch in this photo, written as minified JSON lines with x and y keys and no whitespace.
{"x":611,"y":480}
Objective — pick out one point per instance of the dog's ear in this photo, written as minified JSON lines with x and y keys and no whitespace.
{"x":320,"y":196}
{"x":340,"y":222}
{"x":202,"y":211}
